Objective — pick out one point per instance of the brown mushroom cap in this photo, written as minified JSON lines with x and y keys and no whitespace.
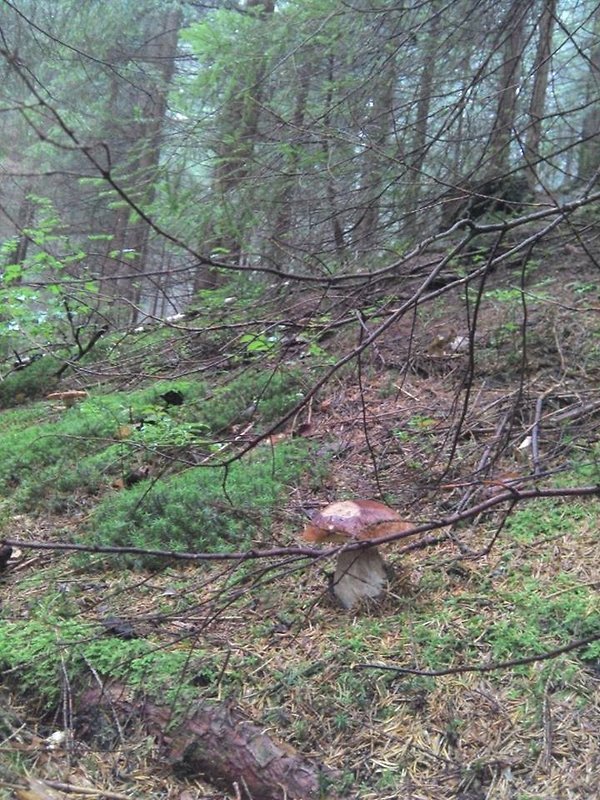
{"x":68,"y":396}
{"x":358,"y":520}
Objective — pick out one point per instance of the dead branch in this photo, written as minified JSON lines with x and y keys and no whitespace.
{"x":577,"y":644}
{"x":513,"y":495}
{"x":218,"y":742}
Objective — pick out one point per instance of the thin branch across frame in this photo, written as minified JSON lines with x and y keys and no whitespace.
{"x":576,"y":644}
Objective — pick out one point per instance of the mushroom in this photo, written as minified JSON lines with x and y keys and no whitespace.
{"x":359,"y":574}
{"x":68,"y":397}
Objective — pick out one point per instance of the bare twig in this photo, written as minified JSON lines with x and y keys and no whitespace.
{"x":512,"y":495}
{"x":362,"y":321}
{"x":535,"y":435}
{"x":71,"y":788}
{"x":513,"y":662}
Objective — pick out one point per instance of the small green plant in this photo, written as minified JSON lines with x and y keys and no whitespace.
{"x":258,"y":343}
{"x":585,"y":288}
{"x":316,"y":351}
{"x":421,"y":423}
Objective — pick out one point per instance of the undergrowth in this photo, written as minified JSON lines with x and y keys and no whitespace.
{"x":52,"y":456}
{"x":30,"y":383}
{"x":203,"y":508}
{"x":45,"y":649}
{"x":275,"y":642}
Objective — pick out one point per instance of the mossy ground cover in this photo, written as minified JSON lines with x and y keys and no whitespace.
{"x":53,"y":455}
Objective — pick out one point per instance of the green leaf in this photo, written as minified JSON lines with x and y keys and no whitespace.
{"x":12,"y":272}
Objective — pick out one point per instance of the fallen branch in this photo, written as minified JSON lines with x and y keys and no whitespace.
{"x":87,"y":791}
{"x":217,"y":741}
{"x":513,"y":496}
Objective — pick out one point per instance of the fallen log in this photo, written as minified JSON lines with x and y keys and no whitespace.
{"x":218,"y":742}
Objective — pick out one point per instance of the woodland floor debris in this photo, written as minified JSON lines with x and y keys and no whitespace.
{"x":276,"y":643}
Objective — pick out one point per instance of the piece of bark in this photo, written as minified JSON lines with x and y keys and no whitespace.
{"x":218,"y":742}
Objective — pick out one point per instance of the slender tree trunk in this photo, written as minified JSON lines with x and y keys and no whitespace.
{"x":135,"y":147}
{"x":504,"y":123}
{"x":379,"y":127}
{"x":24,"y":221}
{"x":159,"y":53}
{"x":285,"y":201}
{"x":238,"y":135}
{"x":419,"y":142}
{"x":337,"y":229}
{"x":589,"y":149}
{"x":538,"y":96}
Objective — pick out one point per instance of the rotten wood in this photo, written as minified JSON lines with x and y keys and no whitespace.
{"x":219,"y":743}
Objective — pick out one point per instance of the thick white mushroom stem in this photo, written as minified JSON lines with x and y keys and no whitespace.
{"x":359,"y":575}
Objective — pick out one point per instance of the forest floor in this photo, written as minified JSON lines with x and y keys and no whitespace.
{"x":433,"y":432}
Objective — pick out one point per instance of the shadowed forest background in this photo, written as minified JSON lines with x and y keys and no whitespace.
{"x":261,"y":256}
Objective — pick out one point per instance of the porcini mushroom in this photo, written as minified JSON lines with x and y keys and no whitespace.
{"x":360,"y":574}
{"x":69,"y":397}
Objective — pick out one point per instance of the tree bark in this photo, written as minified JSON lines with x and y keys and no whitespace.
{"x":589,"y":148}
{"x":419,"y":140}
{"x":504,"y":123}
{"x":238,"y":135}
{"x":332,"y":194}
{"x":377,"y":127}
{"x":538,"y":95}
{"x":215,"y":741}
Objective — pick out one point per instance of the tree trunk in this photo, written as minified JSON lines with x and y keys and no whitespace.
{"x":504,"y":123}
{"x":24,"y":221}
{"x":285,"y":201}
{"x":237,"y":139}
{"x":377,"y":127}
{"x":158,"y":53}
{"x":135,"y":143}
{"x":589,"y":149}
{"x":336,"y":225}
{"x":538,"y":95}
{"x":419,"y":139}
{"x":216,"y":742}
